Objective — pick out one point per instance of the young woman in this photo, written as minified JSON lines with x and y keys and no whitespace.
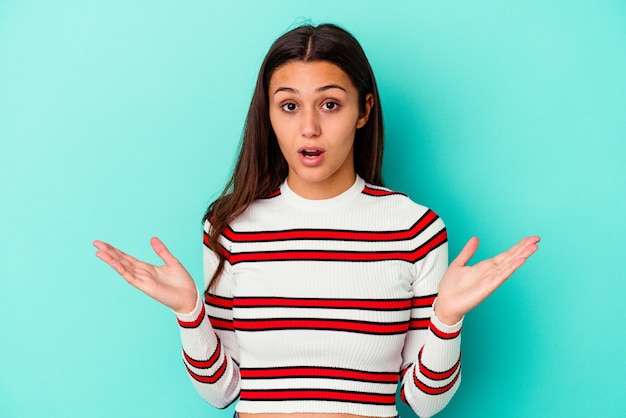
{"x":323,"y":289}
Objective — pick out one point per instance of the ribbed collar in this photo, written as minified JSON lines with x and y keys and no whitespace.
{"x":321,"y":204}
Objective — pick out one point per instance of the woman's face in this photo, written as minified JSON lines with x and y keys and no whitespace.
{"x":314,"y":111}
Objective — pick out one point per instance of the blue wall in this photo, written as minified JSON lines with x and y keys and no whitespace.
{"x":119,"y":120}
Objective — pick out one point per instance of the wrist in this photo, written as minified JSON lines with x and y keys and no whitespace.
{"x":188,"y":306}
{"x":444,"y":314}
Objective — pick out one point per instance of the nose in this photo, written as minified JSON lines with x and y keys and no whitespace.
{"x":310,"y":126}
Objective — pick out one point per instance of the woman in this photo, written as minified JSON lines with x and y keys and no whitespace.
{"x":320,"y":283}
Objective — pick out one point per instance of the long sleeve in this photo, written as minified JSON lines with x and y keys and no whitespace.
{"x":209,"y":348}
{"x":330,"y":300}
{"x":431,"y":370}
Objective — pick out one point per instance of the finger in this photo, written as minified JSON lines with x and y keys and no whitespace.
{"x":105,"y":252}
{"x":530,"y":248}
{"x":466,"y":253}
{"x":117,"y":254}
{"x":510,"y":254}
{"x":124,"y":264}
{"x":162,"y":251}
{"x":508,"y":268}
{"x":524,"y":248}
{"x":128,"y":271}
{"x":113,"y":263}
{"x":103,"y":246}
{"x":98,"y":244}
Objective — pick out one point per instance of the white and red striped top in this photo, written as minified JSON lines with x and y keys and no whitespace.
{"x":324,"y":306}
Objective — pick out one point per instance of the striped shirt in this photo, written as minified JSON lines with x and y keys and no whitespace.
{"x":325,"y":306}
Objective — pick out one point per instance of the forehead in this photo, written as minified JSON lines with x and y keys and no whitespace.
{"x":308,"y":75}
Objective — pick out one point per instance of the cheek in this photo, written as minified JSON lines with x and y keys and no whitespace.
{"x":345,"y":131}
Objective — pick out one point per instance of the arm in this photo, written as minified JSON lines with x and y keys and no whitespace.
{"x":208,"y":339}
{"x":431,"y":370}
{"x":464,"y":287}
{"x":436,"y":372}
{"x":208,"y":362}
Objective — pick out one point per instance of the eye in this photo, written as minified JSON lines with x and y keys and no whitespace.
{"x":289,"y":107}
{"x":330,"y":105}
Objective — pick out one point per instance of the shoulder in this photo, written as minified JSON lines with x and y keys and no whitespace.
{"x":380,"y":191}
{"x":396,"y":204}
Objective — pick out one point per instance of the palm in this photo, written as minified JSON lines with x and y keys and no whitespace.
{"x":464,"y":287}
{"x":169,"y":284}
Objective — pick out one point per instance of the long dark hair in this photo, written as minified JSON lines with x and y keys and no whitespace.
{"x":261,"y":167}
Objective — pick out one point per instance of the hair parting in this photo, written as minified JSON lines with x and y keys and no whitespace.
{"x":261,"y":168}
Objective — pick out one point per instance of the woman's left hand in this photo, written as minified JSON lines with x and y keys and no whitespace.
{"x":463,"y":287}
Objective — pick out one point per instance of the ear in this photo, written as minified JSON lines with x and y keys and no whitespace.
{"x":369,"y":103}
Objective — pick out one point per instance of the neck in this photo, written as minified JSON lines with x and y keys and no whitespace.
{"x":323,"y":190}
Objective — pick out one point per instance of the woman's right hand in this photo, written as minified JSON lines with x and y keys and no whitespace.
{"x":170,"y":284}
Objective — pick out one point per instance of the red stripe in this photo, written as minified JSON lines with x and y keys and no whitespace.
{"x":205,"y":364}
{"x":272,"y":194}
{"x":378,"y":192}
{"x":402,"y":395}
{"x":423,"y":301}
{"x":320,"y":373}
{"x":419,"y":323}
{"x":218,"y":301}
{"x":333,"y":234}
{"x":321,"y":324}
{"x":364,"y":304}
{"x":275,"y":302}
{"x":443,"y":335}
{"x":219,"y":323}
{"x":317,"y":394}
{"x":409,"y":256}
{"x":437,"y":375}
{"x":208,"y":379}
{"x":435,"y":391}
{"x":194,"y":323}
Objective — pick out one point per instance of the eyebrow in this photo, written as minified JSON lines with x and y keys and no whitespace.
{"x":318,"y":90}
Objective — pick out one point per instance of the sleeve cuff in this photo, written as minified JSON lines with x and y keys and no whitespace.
{"x":189,"y":317}
{"x":448,"y":329}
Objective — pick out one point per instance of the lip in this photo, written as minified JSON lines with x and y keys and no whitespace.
{"x":311,"y":161}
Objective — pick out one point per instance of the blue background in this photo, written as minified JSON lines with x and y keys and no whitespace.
{"x":120,"y":120}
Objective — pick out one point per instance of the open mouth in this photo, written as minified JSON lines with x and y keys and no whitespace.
{"x":311,"y":153}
